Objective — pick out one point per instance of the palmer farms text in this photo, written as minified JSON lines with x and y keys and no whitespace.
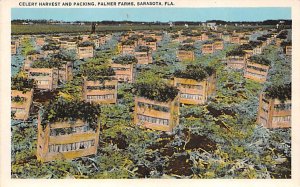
{"x":103,"y":3}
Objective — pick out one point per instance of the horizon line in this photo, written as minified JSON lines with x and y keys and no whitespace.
{"x":151,"y":14}
{"x":152,"y":21}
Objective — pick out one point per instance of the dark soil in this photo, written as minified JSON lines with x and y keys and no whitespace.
{"x":200,"y":142}
{"x":33,"y":157}
{"x":143,"y":172}
{"x":215,"y":112}
{"x":179,"y":165}
{"x":150,"y":158}
{"x":34,"y":109}
{"x":167,"y":151}
{"x":44,"y":96}
{"x":119,"y":141}
{"x":159,"y":168}
{"x":162,"y":143}
{"x":282,"y":171}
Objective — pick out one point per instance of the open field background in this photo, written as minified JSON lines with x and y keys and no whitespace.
{"x":67,"y":28}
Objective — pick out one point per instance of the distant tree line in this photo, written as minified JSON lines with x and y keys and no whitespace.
{"x":110,"y":22}
{"x":265,"y":22}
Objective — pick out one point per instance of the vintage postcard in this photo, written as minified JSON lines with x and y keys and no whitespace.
{"x":173,"y":90}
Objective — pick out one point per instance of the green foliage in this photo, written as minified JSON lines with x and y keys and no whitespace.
{"x":100,"y":71}
{"x":50,"y":47}
{"x":114,"y":165}
{"x":284,"y":44}
{"x":72,"y":90}
{"x":236,"y":52}
{"x":125,"y":95}
{"x":260,"y":60}
{"x":218,"y":40}
{"x":197,"y":72}
{"x":67,"y":28}
{"x":262,"y":38}
{"x":103,"y":56}
{"x":186,"y":47}
{"x":188,"y":32}
{"x":246,"y":47}
{"x":52,"y":63}
{"x":22,"y":83}
{"x":282,"y":34}
{"x":166,"y":54}
{"x":255,"y":43}
{"x":18,"y":99}
{"x":26,"y":46}
{"x":85,"y":44}
{"x":281,"y":92}
{"x":135,"y":37}
{"x":128,"y":42}
{"x":153,"y":87}
{"x":23,"y":145}
{"x":12,"y":114}
{"x":125,"y":59}
{"x":174,"y":36}
{"x":32,"y":52}
{"x":64,"y":56}
{"x":189,"y":40}
{"x":218,"y":139}
{"x":64,"y":110}
{"x":208,"y":42}
{"x":279,"y":83}
{"x":149,"y":39}
{"x":142,"y":48}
